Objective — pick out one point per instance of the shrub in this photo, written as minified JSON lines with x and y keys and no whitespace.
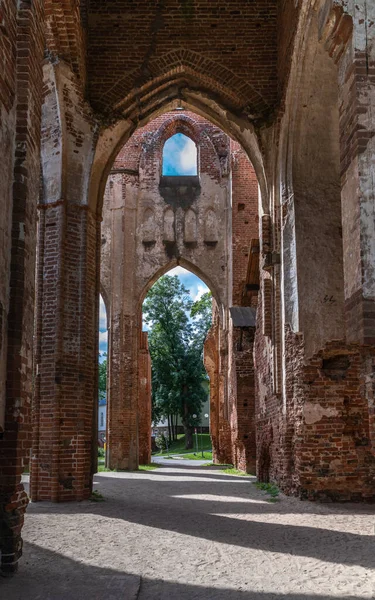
{"x":161,"y":442}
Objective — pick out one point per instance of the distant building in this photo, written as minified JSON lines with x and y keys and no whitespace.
{"x":204,"y":422}
{"x":102,"y":418}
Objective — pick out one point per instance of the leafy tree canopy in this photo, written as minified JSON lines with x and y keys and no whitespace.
{"x":103,"y":378}
{"x":178,"y":328}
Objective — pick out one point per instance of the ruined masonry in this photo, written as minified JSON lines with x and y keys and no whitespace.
{"x":279,"y":98}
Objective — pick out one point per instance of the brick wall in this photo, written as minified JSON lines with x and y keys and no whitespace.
{"x":245,"y":227}
{"x":66,"y":352}
{"x":144,"y":401}
{"x":187,"y":44}
{"x":138,"y":255}
{"x":21,"y":82}
{"x":66,"y":377}
{"x":351,"y":43}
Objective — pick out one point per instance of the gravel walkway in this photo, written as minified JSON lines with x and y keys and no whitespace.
{"x":183,"y":533}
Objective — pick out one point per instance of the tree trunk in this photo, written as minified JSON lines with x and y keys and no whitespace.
{"x":169,"y":430}
{"x":188,"y":437}
{"x":175,"y":425}
{"x":187,"y":428}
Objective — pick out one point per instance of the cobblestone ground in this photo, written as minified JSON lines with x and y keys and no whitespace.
{"x":188,"y":533}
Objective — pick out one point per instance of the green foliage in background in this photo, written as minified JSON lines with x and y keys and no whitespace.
{"x":177,"y":329}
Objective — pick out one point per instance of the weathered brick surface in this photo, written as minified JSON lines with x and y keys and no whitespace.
{"x":144,"y":401}
{"x":245,"y":227}
{"x":356,"y":75}
{"x":66,"y":376}
{"x":20,"y":96}
{"x":185,"y":44}
{"x":138,"y":246}
{"x":303,"y":74}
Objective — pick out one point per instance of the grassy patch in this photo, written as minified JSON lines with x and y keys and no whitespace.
{"x":104,"y":469}
{"x":233,"y":471}
{"x":178,"y":446}
{"x":269,"y":488}
{"x":96,"y":496}
{"x":151,"y":467}
{"x":212,"y":464}
{"x":198,"y":456}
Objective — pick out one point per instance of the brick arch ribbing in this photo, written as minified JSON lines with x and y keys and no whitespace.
{"x":112,"y":138}
{"x":184,"y":68}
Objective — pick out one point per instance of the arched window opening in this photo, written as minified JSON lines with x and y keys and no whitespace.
{"x":102,"y":399}
{"x":179,"y":156}
{"x":177,"y":314}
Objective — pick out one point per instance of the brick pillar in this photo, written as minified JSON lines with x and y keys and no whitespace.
{"x":244,"y":439}
{"x":66,"y":356}
{"x":16,"y":316}
{"x":357,"y":107}
{"x":216,"y":364}
{"x":124,"y":332}
{"x":211,"y":363}
{"x":122,"y":413}
{"x":144,"y":401}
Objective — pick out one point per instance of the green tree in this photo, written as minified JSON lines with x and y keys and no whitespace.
{"x":103,"y":378}
{"x":176,"y":353}
{"x":201,"y":313}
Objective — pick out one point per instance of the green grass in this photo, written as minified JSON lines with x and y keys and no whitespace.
{"x":212,"y":464}
{"x":178,"y":446}
{"x":233,"y":471}
{"x":151,"y":467}
{"x":104,"y":469}
{"x":96,"y":496}
{"x":269,"y":488}
{"x":198,"y":456}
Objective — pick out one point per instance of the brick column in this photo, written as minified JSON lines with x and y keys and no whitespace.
{"x":122,"y":413}
{"x":211,"y":363}
{"x":243,"y":435}
{"x":25,"y":43}
{"x":216,"y":364}
{"x":357,"y":131}
{"x":144,"y":401}
{"x":65,"y":369}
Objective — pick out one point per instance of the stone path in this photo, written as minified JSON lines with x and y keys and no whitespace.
{"x":186,"y":533}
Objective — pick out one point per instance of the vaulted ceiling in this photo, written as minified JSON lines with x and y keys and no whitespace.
{"x":138,"y":51}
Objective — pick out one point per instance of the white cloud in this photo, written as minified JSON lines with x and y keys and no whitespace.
{"x":102,"y":315}
{"x":178,"y":271}
{"x":103,"y":340}
{"x":188,"y":156}
{"x":201,"y":289}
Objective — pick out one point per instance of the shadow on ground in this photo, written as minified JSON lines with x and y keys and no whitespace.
{"x":73,"y":580}
{"x":176,"y":504}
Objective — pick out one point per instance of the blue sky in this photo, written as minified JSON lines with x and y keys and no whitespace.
{"x":179,"y":156}
{"x":190,"y":281}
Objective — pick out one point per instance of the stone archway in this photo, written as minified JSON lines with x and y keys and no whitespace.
{"x":147,"y":229}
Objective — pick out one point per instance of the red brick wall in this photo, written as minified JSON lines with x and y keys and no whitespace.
{"x":184,"y":42}
{"x":144,"y":401}
{"x":66,"y":355}
{"x":21,"y":81}
{"x":134,"y":184}
{"x":356,"y":85}
{"x":245,"y":227}
{"x":335,"y":454}
{"x":245,"y":219}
